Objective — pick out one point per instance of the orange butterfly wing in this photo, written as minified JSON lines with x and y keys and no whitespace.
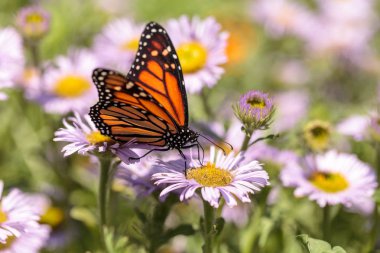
{"x":148,"y":102}
{"x":157,"y":69}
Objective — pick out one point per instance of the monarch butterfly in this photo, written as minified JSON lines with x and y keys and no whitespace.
{"x":149,"y":104}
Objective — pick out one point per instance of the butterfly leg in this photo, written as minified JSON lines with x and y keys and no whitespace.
{"x":203,"y":152}
{"x":147,"y":153}
{"x":184,"y":158}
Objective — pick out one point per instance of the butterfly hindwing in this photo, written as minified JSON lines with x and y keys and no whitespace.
{"x":123,"y":115}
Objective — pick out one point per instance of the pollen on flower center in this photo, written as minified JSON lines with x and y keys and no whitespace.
{"x":72,"y":86}
{"x":130,"y":45}
{"x":193,"y":56}
{"x":96,"y":137}
{"x":317,"y":134}
{"x":53,"y":216}
{"x":34,"y":18}
{"x":3,"y":216}
{"x":329,"y":182}
{"x":210,"y":176}
{"x":319,"y":131}
{"x":256,"y":102}
{"x":8,"y":242}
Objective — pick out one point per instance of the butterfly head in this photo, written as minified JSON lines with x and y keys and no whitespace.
{"x":193,"y":136}
{"x":183,"y":138}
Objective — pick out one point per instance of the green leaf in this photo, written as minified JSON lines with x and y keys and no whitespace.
{"x":312,"y":245}
{"x":84,"y":215}
{"x":338,"y":249}
{"x":113,"y":243}
{"x":266,"y":226}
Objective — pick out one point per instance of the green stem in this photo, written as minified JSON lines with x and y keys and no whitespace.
{"x":105,"y":166}
{"x":208,"y":223}
{"x":252,"y":232}
{"x":375,"y":215}
{"x":326,"y":223}
{"x":245,"y":144}
{"x":35,"y":54}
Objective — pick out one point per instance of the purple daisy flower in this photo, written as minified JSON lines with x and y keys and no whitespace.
{"x":18,"y":215}
{"x":138,"y":175}
{"x":117,"y":44}
{"x":67,"y":84}
{"x":333,"y":178}
{"x":355,"y":126}
{"x":255,"y":110}
{"x":33,"y":22}
{"x":29,"y":242}
{"x":222,"y":176}
{"x":85,"y":138}
{"x":11,"y":58}
{"x":201,"y":48}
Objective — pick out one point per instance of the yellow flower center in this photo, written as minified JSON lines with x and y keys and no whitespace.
{"x":210,"y":176}
{"x":193,"y":56}
{"x":8,"y":242}
{"x":317,"y":135}
{"x":256,"y":102}
{"x":72,"y":86}
{"x":329,"y":182}
{"x":34,"y":18}
{"x":96,"y":137}
{"x":3,"y":216}
{"x":130,"y":45}
{"x":53,"y":216}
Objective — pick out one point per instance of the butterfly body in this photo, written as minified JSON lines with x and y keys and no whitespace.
{"x":148,"y":105}
{"x":183,"y":139}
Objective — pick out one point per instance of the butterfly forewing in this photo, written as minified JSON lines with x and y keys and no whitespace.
{"x":157,"y":69}
{"x":147,"y":103}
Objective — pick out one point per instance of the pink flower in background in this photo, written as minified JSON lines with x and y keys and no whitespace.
{"x":201,"y":46}
{"x":335,"y":28}
{"x":19,"y":227}
{"x":332,"y":178}
{"x":238,"y":215}
{"x":11,"y":58}
{"x":293,"y":73}
{"x":117,"y":44}
{"x":29,"y":242}
{"x":291,"y":108}
{"x":281,"y":17}
{"x":139,"y":175}
{"x":355,"y":126}
{"x":33,"y":22}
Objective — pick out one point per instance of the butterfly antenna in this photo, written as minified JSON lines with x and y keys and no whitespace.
{"x":217,"y":144}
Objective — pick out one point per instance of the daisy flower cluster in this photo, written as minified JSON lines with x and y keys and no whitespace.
{"x":65,"y":83}
{"x":20,"y":230}
{"x":269,"y":157}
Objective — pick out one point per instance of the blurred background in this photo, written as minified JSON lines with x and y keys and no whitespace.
{"x":318,"y":59}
